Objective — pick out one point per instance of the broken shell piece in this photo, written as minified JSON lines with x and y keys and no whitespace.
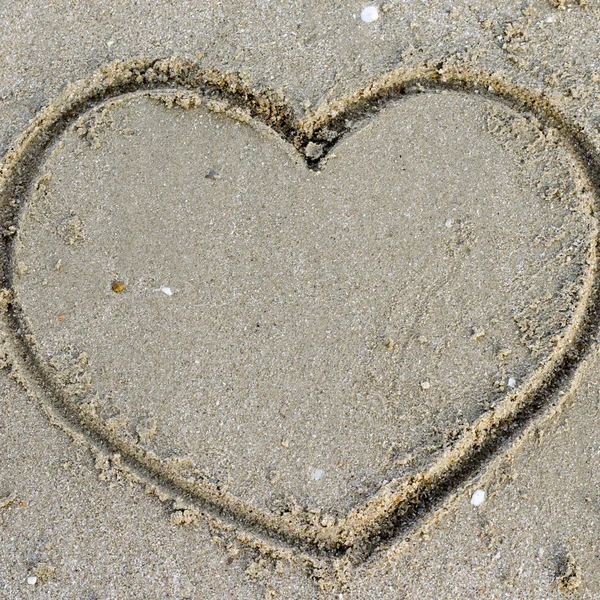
{"x":478,"y":497}
{"x":369,"y":14}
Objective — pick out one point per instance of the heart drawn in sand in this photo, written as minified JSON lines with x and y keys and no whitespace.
{"x":312,"y":328}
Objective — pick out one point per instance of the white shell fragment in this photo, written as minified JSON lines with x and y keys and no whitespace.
{"x":316,"y":474}
{"x":369,"y":14}
{"x":512,"y":382}
{"x":166,"y":290}
{"x":478,"y":497}
{"x":32,"y":580}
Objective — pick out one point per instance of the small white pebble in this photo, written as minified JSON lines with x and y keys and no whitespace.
{"x":316,"y":474}
{"x":448,"y":223}
{"x":512,"y":382}
{"x":425,"y":385}
{"x":166,"y":290}
{"x":478,"y":497}
{"x":369,"y":14}
{"x":32,"y":580}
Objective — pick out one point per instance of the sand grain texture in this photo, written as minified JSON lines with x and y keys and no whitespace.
{"x":298,"y":338}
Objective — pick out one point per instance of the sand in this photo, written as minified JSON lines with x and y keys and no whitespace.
{"x":277,"y":304}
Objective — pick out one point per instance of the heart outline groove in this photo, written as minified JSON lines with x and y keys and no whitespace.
{"x":398,"y":504}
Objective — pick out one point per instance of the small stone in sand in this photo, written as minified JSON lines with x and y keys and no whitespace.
{"x":369,"y":14}
{"x":314,"y":151}
{"x":32,"y":580}
{"x":118,"y":287}
{"x":316,"y":474}
{"x":166,"y":290}
{"x":478,"y":497}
